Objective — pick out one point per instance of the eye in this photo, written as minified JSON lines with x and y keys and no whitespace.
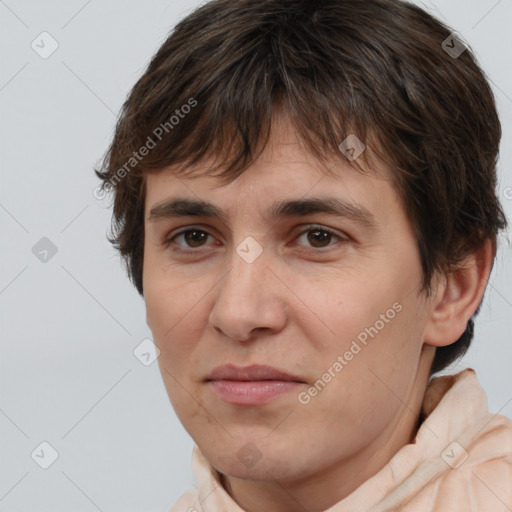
{"x":192,"y":237}
{"x":319,"y":237}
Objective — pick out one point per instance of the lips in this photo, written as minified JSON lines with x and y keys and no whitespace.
{"x":251,"y":373}
{"x":252,"y":386}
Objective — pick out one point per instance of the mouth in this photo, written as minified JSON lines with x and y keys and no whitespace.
{"x":252,"y":373}
{"x":252,"y":385}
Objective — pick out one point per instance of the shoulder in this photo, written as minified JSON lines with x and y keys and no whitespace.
{"x":188,"y":502}
{"x":485,"y":476}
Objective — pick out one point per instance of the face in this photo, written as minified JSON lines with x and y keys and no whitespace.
{"x":331,"y":299}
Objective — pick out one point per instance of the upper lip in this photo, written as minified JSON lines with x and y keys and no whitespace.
{"x":250,"y":373}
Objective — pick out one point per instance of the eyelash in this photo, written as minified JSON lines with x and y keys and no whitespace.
{"x":168,"y":241}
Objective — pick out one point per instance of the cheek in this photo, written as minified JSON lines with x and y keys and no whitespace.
{"x":337,"y":310}
{"x":166,"y":307}
{"x":167,"y":295}
{"x":161,"y":310}
{"x":176,"y":315}
{"x":365,"y":332}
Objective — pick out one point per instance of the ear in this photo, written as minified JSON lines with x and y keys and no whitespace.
{"x":456,"y":297}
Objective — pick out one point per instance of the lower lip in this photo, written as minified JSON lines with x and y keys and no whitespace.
{"x":252,"y":392}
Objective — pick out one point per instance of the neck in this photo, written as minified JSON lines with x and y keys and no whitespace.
{"x":328,"y":487}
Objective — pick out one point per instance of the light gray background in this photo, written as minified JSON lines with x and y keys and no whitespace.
{"x":69,"y":326}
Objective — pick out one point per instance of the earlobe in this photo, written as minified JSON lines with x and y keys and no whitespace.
{"x":457,"y":297}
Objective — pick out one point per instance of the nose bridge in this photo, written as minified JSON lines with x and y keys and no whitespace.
{"x":246,"y":277}
{"x":245,"y":299}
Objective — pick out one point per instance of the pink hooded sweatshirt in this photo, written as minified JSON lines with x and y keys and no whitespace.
{"x":460,"y":461}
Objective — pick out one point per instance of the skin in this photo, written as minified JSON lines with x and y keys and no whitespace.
{"x":297,"y":307}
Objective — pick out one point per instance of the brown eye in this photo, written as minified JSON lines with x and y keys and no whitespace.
{"x":318,"y":237}
{"x":191,"y":239}
{"x":195,"y":237}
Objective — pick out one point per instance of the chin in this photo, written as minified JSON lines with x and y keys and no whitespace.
{"x":250,"y":460}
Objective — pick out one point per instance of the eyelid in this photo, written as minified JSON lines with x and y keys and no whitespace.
{"x":304,"y":228}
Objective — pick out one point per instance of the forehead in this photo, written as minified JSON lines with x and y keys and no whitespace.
{"x":285,"y":170}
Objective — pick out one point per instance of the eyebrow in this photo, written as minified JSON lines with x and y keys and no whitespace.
{"x":172,"y":208}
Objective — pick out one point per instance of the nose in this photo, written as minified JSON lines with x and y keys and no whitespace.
{"x":250,"y":299}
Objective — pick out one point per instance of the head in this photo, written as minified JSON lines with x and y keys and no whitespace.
{"x":251,"y":103}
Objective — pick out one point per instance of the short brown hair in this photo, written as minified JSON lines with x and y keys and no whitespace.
{"x":374,"y":68}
